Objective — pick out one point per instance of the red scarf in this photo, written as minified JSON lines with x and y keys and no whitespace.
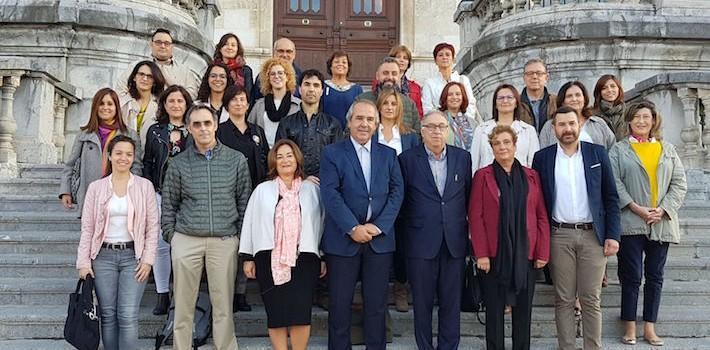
{"x":236,"y":68}
{"x":106,"y":133}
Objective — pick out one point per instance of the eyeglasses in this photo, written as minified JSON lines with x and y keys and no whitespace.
{"x":537,"y":74}
{"x":277,"y":74}
{"x":162,"y":43}
{"x":435,"y":127}
{"x":141,"y":75}
{"x":505,"y":98}
{"x":217,"y":76}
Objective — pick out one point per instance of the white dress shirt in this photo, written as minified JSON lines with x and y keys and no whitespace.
{"x":117,"y":231}
{"x":395,"y":142}
{"x":364,"y":155}
{"x":482,"y":153}
{"x":571,"y":199}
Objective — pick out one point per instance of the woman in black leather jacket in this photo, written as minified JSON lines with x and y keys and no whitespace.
{"x":164,"y":140}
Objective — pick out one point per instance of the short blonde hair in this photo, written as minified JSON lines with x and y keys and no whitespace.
{"x":264,"y":75}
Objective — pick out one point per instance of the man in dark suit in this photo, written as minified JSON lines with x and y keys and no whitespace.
{"x":361,"y":204}
{"x":437,"y":183}
{"x":583,"y":205}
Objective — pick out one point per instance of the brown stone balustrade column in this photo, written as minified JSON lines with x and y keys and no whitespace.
{"x":8,"y":127}
{"x":691,"y":150}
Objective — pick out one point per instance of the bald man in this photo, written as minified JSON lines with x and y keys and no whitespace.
{"x":285,"y":49}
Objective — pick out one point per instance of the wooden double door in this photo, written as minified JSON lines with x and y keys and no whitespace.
{"x":365,"y":29}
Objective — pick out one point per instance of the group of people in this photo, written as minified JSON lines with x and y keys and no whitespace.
{"x":310,"y":185}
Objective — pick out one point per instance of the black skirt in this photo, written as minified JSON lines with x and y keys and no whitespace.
{"x":288,"y":304}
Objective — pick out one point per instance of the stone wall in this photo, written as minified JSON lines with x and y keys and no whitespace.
{"x":77,"y":47}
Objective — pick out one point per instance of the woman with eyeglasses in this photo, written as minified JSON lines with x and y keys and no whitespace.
{"x":609,"y":104}
{"x":214,"y":82}
{"x":507,"y":110}
{"x":651,"y":182}
{"x":593,"y":129}
{"x":166,"y":139}
{"x":278,"y":82}
{"x":139,"y":106}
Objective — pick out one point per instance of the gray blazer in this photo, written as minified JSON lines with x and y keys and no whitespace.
{"x":632,"y":183}
{"x":87,"y":150}
{"x":595,"y":126}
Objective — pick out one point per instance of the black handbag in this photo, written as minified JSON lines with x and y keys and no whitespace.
{"x":472,"y":295}
{"x":81,"y":328}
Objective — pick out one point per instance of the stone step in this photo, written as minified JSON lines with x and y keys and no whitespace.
{"x":39,"y":186}
{"x":41,"y":171}
{"x":39,"y":242}
{"x":25,"y":322}
{"x":676,"y":269}
{"x":37,"y":265}
{"x":40,"y":203}
{"x":694,"y":209}
{"x":398,"y":343}
{"x":50,"y":221}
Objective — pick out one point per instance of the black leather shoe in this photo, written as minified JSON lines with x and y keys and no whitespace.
{"x":161,"y":307}
{"x":240,"y":303}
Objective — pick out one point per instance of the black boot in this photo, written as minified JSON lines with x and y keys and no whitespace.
{"x":162,"y":305}
{"x":240,"y":303}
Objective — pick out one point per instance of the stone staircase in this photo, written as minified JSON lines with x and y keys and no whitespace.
{"x":38,"y":240}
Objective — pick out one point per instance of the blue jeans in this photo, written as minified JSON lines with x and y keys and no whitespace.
{"x":119,"y":297}
{"x":632,"y":266}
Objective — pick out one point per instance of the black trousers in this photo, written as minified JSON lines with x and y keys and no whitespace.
{"x":494,"y":299}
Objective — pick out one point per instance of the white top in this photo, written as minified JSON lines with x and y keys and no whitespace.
{"x":270,"y":127}
{"x":395,"y":142}
{"x":433,"y":87}
{"x":482,"y":153}
{"x":223,"y":114}
{"x":118,"y":220}
{"x":571,"y":199}
{"x":258,"y":226}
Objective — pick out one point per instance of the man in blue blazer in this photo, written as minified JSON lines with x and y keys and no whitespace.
{"x":437,"y":183}
{"x":362,"y":190}
{"x":583,"y":205}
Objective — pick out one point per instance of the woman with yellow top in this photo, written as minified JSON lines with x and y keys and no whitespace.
{"x":651,"y":183}
{"x":139,"y":106}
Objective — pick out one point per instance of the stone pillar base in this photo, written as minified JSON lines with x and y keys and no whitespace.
{"x":9,"y":171}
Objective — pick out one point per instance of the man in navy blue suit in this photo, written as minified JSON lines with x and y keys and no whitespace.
{"x":362,"y":190}
{"x":437,"y":183}
{"x":583,"y":205}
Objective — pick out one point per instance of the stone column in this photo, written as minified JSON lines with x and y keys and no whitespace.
{"x":704,"y":96}
{"x":691,"y":151}
{"x":34,"y":114}
{"x":8,"y":127}
{"x":60,"y":110}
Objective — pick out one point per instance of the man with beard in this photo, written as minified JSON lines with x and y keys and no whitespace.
{"x":583,"y":206}
{"x":387,"y":76}
{"x":310,"y":128}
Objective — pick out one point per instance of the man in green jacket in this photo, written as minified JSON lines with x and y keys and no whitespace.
{"x":387,"y":76}
{"x":205,"y":194}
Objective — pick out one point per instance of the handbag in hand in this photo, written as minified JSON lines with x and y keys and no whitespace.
{"x":472,"y":295}
{"x":81,"y":328}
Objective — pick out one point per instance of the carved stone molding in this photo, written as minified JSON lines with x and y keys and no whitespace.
{"x":692,"y":143}
{"x":60,"y":110}
{"x":8,"y":126}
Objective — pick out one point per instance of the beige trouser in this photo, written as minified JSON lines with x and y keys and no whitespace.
{"x":577,"y":264}
{"x":219,"y":256}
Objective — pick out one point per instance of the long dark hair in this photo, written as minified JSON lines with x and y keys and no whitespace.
{"x":563,"y":91}
{"x":204,"y":92}
{"x":444,"y":97}
{"x":223,"y":41}
{"x":93,"y":124}
{"x":600,"y":85}
{"x":162,"y":114}
{"x":158,"y":79}
{"x":111,"y":144}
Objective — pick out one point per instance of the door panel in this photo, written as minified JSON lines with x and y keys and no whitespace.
{"x":365,"y":29}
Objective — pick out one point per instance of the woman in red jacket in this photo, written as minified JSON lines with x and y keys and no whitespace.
{"x":510,"y":234}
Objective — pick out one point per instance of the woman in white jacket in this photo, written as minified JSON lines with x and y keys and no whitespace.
{"x":507,"y":109}
{"x":283,"y":224}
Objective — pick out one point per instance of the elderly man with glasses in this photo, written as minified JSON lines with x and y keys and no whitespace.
{"x":538,"y":104}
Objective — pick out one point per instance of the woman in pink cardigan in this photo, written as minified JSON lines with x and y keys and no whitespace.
{"x":119,"y":235}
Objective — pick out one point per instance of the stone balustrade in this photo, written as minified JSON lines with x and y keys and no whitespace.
{"x":8,"y":126}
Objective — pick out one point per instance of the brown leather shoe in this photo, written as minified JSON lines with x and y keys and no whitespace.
{"x":401,"y":297}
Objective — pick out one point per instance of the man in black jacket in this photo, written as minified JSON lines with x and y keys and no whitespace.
{"x":310,"y":128}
